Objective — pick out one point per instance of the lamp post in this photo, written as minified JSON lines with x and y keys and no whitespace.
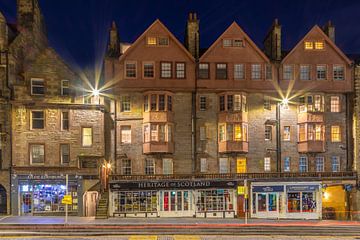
{"x":284,"y":103}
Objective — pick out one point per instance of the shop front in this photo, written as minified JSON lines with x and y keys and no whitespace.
{"x":42,"y":195}
{"x":187,"y":198}
{"x":286,"y":200}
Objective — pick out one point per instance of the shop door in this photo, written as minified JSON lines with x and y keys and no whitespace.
{"x":26,"y":203}
{"x":3,"y":205}
{"x":176,"y":204}
{"x":267,"y":205}
{"x":241,"y":206}
{"x":90,"y":203}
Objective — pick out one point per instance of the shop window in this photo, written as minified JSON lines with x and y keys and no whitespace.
{"x":335,"y":163}
{"x":37,"y":119}
{"x":65,"y":154}
{"x":126,"y":166}
{"x":335,"y":133}
{"x":335,"y":104}
{"x":268,"y":72}
{"x":293,"y":202}
{"x":303,"y":164}
{"x":202,"y":104}
{"x":215,"y":200}
{"x":239,"y":72}
{"x":319,"y":164}
{"x":125,"y":104}
{"x":180,"y":70}
{"x":301,"y":202}
{"x":166,"y":69}
{"x":338,"y":72}
{"x":130,"y":69}
{"x":149,"y":166}
{"x":321,"y":72}
{"x":287,"y":164}
{"x":268,"y":132}
{"x":308,"y":202}
{"x":261,"y":199}
{"x":224,"y":165}
{"x":125,"y":134}
{"x":308,"y":45}
{"x":221,"y":71}
{"x":148,"y":69}
{"x":203,"y":71}
{"x":37,"y":154}
{"x":288,"y":72}
{"x":255,"y":71}
{"x":87,"y":136}
{"x":167,"y":166}
{"x":65,"y":87}
{"x":37,"y":86}
{"x":65,"y":121}
{"x":203,"y":165}
{"x":304,"y":72}
{"x":286,"y":134}
{"x":135,"y":201}
{"x":272,"y":202}
{"x":267,"y":166}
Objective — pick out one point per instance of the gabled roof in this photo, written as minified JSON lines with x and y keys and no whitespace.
{"x":327,"y":39}
{"x":157,"y":22}
{"x":248,"y":39}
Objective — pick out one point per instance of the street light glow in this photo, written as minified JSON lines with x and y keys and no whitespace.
{"x":95,"y":92}
{"x":285,"y":101}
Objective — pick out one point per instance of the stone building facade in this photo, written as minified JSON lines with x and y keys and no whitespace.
{"x":275,"y":123}
{"x":50,"y":128}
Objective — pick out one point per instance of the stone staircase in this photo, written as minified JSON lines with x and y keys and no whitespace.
{"x":103,"y":206}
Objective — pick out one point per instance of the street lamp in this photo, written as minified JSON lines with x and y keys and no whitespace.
{"x":282,"y":104}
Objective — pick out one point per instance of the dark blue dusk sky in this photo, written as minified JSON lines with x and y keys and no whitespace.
{"x":77,"y":29}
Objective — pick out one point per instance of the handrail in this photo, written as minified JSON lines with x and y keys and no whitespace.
{"x":239,"y":176}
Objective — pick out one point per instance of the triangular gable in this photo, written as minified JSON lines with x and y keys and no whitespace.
{"x":156,"y":22}
{"x":327,"y":40}
{"x":246,"y":37}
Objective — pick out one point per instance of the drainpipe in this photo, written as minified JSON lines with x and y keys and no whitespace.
{"x":194,"y":118}
{"x":278,"y":138}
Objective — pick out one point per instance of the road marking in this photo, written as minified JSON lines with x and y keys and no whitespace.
{"x":143,"y":237}
{"x":3,"y":218}
{"x":186,"y":237}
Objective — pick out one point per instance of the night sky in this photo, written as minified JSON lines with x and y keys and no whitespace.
{"x":78,"y":29}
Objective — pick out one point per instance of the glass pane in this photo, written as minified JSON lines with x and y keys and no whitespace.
{"x":173,"y":201}
{"x":272,"y":202}
{"x":179,"y":201}
{"x":261,"y":197}
{"x":186,"y":200}
{"x":294,"y":202}
{"x":308,"y":202}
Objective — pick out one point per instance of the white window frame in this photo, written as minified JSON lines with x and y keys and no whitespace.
{"x":239,"y":71}
{"x":256,"y":71}
{"x":287,"y":164}
{"x":202,"y":103}
{"x":268,"y":134}
{"x":153,"y":70}
{"x":305,"y":75}
{"x":83,"y":137}
{"x":335,"y":166}
{"x":126,"y":69}
{"x":321,"y":67}
{"x":62,"y":153}
{"x":62,"y":120}
{"x":31,"y":153}
{"x":320,"y":164}
{"x":303,"y":164}
{"x":168,"y":166}
{"x":125,"y":167}
{"x":337,"y":78}
{"x":334,"y":103}
{"x":203,"y":165}
{"x":63,"y":87}
{"x":287,"y":132}
{"x":148,"y":167}
{"x":125,"y":134}
{"x":31,"y":119}
{"x":288,"y":72}
{"x":224,"y":165}
{"x":38,"y":86}
{"x":267,"y":164}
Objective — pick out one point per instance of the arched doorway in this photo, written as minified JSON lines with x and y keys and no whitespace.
{"x":3,"y":205}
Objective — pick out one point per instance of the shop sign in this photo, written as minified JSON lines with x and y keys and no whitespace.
{"x":279,"y":188}
{"x":241,"y":190}
{"x":67,"y":199}
{"x":154,"y":185}
{"x":302,"y":188}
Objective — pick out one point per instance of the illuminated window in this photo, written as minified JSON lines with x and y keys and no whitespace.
{"x":167,"y":166}
{"x":255,"y":71}
{"x":202,"y":103}
{"x":147,"y":133}
{"x":149,"y":166}
{"x":166,"y":70}
{"x":319,"y":164}
{"x":319,"y":45}
{"x":286,"y":135}
{"x":125,"y":104}
{"x":239,"y":72}
{"x":335,"y":104}
{"x":238,"y":134}
{"x":308,"y":45}
{"x":267,"y":166}
{"x":203,"y":72}
{"x":237,"y":102}
{"x":163,"y":41}
{"x":130,"y":69}
{"x":37,"y":154}
{"x":321,"y":72}
{"x":154,"y":133}
{"x":37,"y":86}
{"x":335,"y":133}
{"x":222,"y":132}
{"x":180,"y":70}
{"x":288,"y":72}
{"x":287,"y":164}
{"x":126,"y":166}
{"x":303,"y":164}
{"x":87,"y":137}
{"x":125,"y":134}
{"x":335,"y":163}
{"x":148,"y":70}
{"x":304,"y":72}
{"x":37,"y":119}
{"x":65,"y":90}
{"x":338,"y":72}
{"x":315,"y":132}
{"x":221,"y":71}
{"x":151,"y":41}
{"x":224,"y":165}
{"x":268,"y":132}
{"x":227,"y":42}
{"x":65,"y":154}
{"x":302,"y":133}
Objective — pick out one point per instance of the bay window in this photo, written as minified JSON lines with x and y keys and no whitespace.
{"x":157,"y":102}
{"x":233,"y":103}
{"x":312,"y":103}
{"x":157,"y":132}
{"x":234,"y":132}
{"x":311,"y":132}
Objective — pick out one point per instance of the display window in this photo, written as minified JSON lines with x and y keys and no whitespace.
{"x":135,"y":201}
{"x":180,"y":200}
{"x":215,"y":200}
{"x":301,"y":202}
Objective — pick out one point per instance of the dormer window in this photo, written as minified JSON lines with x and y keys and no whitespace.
{"x":227,"y":42}
{"x":163,"y":41}
{"x":309,"y":45}
{"x":238,"y":43}
{"x":233,"y":43}
{"x":151,"y":41}
{"x":319,"y":45}
{"x":157,"y":41}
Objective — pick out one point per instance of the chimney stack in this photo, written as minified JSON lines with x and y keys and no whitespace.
{"x":114,"y":42}
{"x":272,"y":42}
{"x":192,"y":42}
{"x":329,"y":30}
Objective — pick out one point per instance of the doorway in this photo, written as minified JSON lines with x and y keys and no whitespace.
{"x":3,"y":200}
{"x":90,"y":200}
{"x":176,"y":203}
{"x":26,"y":203}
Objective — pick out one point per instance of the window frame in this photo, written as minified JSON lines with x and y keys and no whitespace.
{"x":37,"y":86}
{"x":287,"y":164}
{"x":269,"y":133}
{"x":337,"y":165}
{"x":65,"y":87}
{"x":319,"y":165}
{"x":125,"y":103}
{"x":301,"y":72}
{"x":203,"y":165}
{"x":224,"y":160}
{"x":202,"y":104}
{"x":82,"y":136}
{"x":171,"y":161}
{"x":32,"y":119}
{"x":287,"y":73}
{"x":317,"y":72}
{"x":176,"y":70}
{"x":125,"y":168}
{"x":151,"y":44}
{"x":256,"y":73}
{"x":333,"y":72}
{"x":161,"y":69}
{"x":153,"y":166}
{"x":334,"y":106}
{"x":207,"y":72}
{"x":143,"y":69}
{"x":242,"y":65}
{"x":304,"y":165}
{"x":218,"y":74}
{"x":335,"y":137}
{"x":62,"y":120}
{"x":267,"y":164}
{"x":289,"y":133}
{"x":122,"y":128}
{"x":62,"y":156}
{"x":126,"y":69}
{"x":31,"y":145}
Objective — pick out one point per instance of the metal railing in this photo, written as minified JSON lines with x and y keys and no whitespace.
{"x":242,"y":176}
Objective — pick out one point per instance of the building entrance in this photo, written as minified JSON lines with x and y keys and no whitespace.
{"x":3,"y":202}
{"x":177,"y":203}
